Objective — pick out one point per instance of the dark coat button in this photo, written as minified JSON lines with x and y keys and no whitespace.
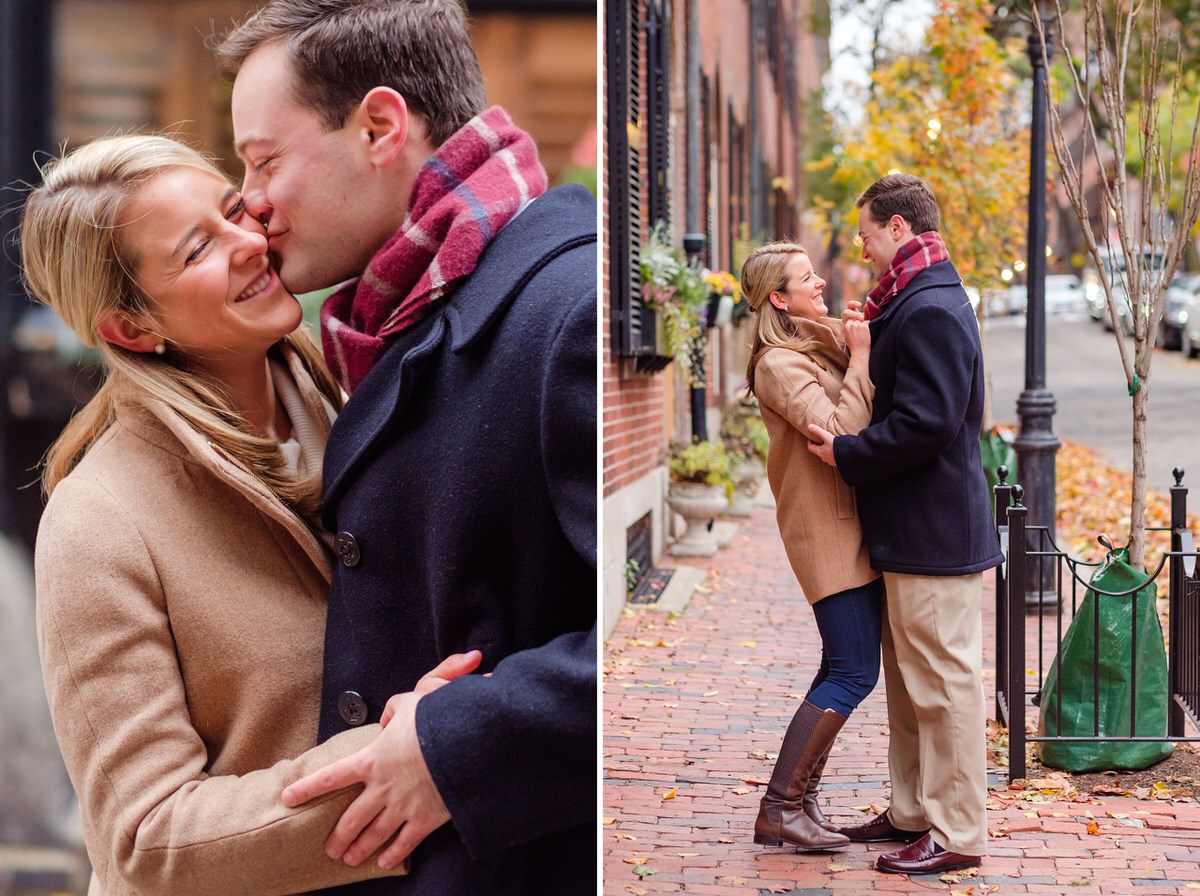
{"x":352,"y":708}
{"x":347,"y":546}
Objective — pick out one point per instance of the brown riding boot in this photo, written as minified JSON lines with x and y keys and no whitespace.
{"x":811,"y":808}
{"x":781,"y":815}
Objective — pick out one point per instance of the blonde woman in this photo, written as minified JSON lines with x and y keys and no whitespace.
{"x":181,"y":570}
{"x":806,"y":367}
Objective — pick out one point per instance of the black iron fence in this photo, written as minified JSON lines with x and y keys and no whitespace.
{"x":1024,"y":647}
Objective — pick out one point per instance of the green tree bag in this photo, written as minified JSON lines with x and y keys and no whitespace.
{"x":1071,"y":676}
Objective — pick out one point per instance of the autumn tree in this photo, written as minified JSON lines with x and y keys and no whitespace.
{"x":951,"y":115}
{"x":1130,"y":75}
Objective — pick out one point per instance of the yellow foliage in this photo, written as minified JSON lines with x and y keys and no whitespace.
{"x":948,"y":116}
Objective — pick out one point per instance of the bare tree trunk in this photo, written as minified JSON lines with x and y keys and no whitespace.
{"x":1137,"y":509}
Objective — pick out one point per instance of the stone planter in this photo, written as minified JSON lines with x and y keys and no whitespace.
{"x":747,"y":474}
{"x":698,"y":504}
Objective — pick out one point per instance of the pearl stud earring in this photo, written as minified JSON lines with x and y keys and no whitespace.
{"x":160,"y":349}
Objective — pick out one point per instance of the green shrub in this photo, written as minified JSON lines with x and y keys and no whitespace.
{"x":707,"y":462}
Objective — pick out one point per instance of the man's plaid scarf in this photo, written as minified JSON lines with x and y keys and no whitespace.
{"x":463,"y":195}
{"x":922,"y":251}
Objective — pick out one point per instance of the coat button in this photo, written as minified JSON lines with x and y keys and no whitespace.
{"x":347,"y":547}
{"x":352,"y":708}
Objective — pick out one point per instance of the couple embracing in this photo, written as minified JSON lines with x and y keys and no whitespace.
{"x":883,"y":508}
{"x":293,"y":640}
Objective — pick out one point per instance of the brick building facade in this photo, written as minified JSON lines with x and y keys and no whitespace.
{"x":703,"y":130}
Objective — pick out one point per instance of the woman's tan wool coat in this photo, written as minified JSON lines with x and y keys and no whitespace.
{"x":815,"y":509}
{"x":181,"y":615}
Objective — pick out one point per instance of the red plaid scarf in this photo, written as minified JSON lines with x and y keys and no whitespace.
{"x":463,"y":195}
{"x":922,"y":251}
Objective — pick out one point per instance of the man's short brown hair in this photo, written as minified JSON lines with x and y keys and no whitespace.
{"x":903,"y":195}
{"x":341,"y":49}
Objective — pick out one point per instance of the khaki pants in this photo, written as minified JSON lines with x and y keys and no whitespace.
{"x":932,"y":666}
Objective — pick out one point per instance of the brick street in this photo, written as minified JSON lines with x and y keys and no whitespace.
{"x":695,"y":706}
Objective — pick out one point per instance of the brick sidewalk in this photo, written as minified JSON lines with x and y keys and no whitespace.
{"x":693,"y":704}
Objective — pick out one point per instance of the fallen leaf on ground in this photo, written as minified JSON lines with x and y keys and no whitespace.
{"x":621,"y":835}
{"x":711,"y":693}
{"x":687,"y":855}
{"x":869,"y":807}
{"x":643,"y":870}
{"x":837,"y":866}
{"x":609,"y":820}
{"x":742,"y":791}
{"x":1093,"y":828}
{"x":670,"y":794}
{"x":755,"y":781}
{"x":636,"y":890}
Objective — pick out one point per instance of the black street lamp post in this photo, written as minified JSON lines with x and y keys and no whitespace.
{"x":1036,"y":445}
{"x":693,"y":246}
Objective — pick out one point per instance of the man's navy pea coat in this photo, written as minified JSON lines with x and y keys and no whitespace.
{"x":922,"y":496}
{"x":462,"y":476}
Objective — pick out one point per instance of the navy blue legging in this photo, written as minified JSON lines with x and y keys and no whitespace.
{"x":849,"y":623}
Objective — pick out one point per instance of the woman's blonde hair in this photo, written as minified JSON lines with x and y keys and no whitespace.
{"x":765,"y":271}
{"x":75,"y":261}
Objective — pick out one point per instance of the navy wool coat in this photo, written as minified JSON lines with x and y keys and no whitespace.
{"x":461,"y":477}
{"x":922,"y":496}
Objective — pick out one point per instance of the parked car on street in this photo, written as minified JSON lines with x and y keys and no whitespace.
{"x":1178,"y":307}
{"x":1064,"y":294}
{"x":1189,"y":330}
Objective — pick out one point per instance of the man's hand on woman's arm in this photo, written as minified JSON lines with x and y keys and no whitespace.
{"x":399,"y":793}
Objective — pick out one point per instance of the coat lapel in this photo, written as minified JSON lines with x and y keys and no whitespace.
{"x":213,"y":459}
{"x":379,"y":398}
{"x":557,"y":221}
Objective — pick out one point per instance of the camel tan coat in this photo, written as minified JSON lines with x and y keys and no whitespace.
{"x":815,"y":509}
{"x":181,"y":615}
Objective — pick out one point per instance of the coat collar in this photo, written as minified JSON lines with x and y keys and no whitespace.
{"x":156,"y":423}
{"x":828,"y":345}
{"x":559,"y":220}
{"x":942,"y":274}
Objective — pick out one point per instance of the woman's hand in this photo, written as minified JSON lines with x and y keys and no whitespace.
{"x":858,"y":339}
{"x":853,"y":311}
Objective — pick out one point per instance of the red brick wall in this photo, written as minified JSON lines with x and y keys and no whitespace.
{"x":634,"y":421}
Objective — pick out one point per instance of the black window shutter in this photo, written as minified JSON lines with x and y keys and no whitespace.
{"x":623,"y":47}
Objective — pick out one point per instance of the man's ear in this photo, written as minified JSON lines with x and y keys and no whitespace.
{"x":118,"y":329}
{"x":382,"y":120}
{"x":901,"y":226}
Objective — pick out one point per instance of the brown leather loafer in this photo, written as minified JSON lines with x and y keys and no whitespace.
{"x":924,"y":857}
{"x":880,"y":829}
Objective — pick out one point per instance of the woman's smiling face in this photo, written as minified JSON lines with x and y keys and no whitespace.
{"x":803,"y":293}
{"x":202,"y":261}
